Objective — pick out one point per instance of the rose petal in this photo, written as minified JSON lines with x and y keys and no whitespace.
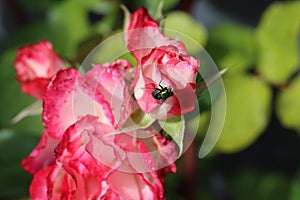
{"x":143,"y":34}
{"x":41,"y":156}
{"x":68,"y":99}
{"x":143,"y":93}
{"x":84,"y":147}
{"x":109,"y":79}
{"x":52,"y":183}
{"x":35,"y":65}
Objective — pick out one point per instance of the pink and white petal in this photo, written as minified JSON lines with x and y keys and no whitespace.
{"x":152,"y":72}
{"x":35,"y":65}
{"x":129,"y":106}
{"x":141,"y":41}
{"x":85,"y":147}
{"x":142,"y":181}
{"x":143,"y":93}
{"x":89,"y":100}
{"x":68,"y":99}
{"x":87,"y":185}
{"x":73,"y":154}
{"x":159,"y":155}
{"x":109,"y":79}
{"x":162,"y":111}
{"x":167,"y":156}
{"x":51,"y":183}
{"x":107,"y":192}
{"x":92,"y":186}
{"x":162,"y":55}
{"x":39,"y":188}
{"x":41,"y":156}
{"x":143,"y":34}
{"x":181,"y":73}
{"x":184,"y":101}
{"x":130,"y":186}
{"x":103,"y":150}
{"x":58,"y":106}
{"x":37,"y":61}
{"x":140,"y":18}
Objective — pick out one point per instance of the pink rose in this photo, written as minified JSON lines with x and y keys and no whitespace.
{"x":85,"y":149}
{"x":70,"y":97}
{"x":164,"y":83}
{"x":75,"y":158}
{"x":80,"y":155}
{"x":35,"y":65}
{"x":143,"y":34}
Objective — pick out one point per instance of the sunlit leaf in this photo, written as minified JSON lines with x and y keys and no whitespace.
{"x":105,"y":53}
{"x":288,"y":105}
{"x":247,"y":114}
{"x":109,"y":20}
{"x":232,"y":45}
{"x":175,"y":127}
{"x":186,"y":29}
{"x":277,"y":41}
{"x":68,"y":26}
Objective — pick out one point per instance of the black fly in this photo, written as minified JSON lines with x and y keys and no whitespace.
{"x":162,"y":93}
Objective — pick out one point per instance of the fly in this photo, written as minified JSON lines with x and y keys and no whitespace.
{"x":162,"y":93}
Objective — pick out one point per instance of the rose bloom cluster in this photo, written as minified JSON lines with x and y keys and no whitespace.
{"x":78,"y":157}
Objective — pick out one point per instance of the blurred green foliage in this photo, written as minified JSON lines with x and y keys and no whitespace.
{"x":277,"y":38}
{"x":248,"y":111}
{"x":260,"y":59}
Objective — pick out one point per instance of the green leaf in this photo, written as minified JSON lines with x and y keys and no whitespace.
{"x":180,"y":25}
{"x":137,"y":120}
{"x":175,"y":127}
{"x":68,"y":26}
{"x":31,"y":33}
{"x":232,"y":45}
{"x":249,"y":184}
{"x":247,"y":112}
{"x":209,"y":81}
{"x":202,"y":91}
{"x":105,"y":53}
{"x":151,"y":5}
{"x":288,"y":105}
{"x":277,"y":41}
{"x":14,"y":147}
{"x":295,"y":188}
{"x":129,"y":57}
{"x":169,"y":4}
{"x":273,"y":186}
{"x":198,"y":124}
{"x":109,"y":20}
